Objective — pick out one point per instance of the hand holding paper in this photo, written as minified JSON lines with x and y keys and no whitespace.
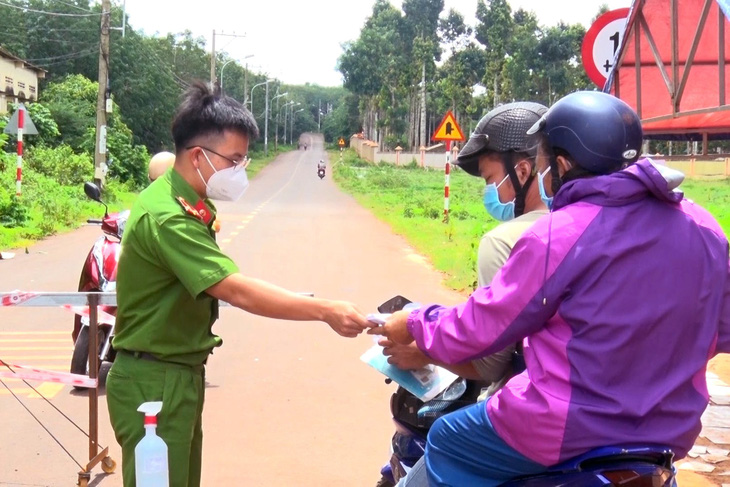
{"x":395,"y":328}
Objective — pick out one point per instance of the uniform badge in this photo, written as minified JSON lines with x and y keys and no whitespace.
{"x":199,"y":211}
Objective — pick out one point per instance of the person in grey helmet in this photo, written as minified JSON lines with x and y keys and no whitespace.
{"x":500,"y":152}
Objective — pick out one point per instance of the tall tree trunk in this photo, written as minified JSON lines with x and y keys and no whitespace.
{"x":411,"y":139}
{"x":415,"y":103}
{"x":423,"y":104}
{"x":496,"y":90}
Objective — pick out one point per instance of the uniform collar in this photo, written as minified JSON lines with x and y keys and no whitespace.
{"x":202,"y":209}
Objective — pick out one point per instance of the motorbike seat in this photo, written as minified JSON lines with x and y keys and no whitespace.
{"x":598,"y":457}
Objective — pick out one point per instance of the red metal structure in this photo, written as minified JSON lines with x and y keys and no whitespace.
{"x":673,"y":68}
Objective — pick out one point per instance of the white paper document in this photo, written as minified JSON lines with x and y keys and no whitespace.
{"x":425,"y":383}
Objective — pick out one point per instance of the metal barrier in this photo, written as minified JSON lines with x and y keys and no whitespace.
{"x":93,"y":301}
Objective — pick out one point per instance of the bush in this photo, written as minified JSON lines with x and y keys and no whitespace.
{"x":12,"y":213}
{"x":61,"y":164}
{"x":72,"y":103}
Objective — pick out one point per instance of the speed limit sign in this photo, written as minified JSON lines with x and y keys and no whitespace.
{"x":601,"y":43}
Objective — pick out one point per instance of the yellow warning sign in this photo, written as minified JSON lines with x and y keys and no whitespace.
{"x":341,"y":142}
{"x":448,"y":129}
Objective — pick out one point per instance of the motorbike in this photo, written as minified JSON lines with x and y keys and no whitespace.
{"x":634,"y":465}
{"x":98,"y":274}
{"x":320,"y":172}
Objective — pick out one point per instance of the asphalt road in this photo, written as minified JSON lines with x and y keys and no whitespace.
{"x":288,"y":403}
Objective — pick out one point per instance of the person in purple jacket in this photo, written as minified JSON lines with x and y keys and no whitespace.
{"x":621,"y":293}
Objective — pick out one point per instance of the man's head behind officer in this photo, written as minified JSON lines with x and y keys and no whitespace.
{"x":160,"y":163}
{"x":212,"y":135}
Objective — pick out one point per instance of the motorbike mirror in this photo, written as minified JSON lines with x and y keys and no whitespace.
{"x":93,"y":191}
{"x":394,"y":304}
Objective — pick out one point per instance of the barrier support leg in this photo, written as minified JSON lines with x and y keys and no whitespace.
{"x":95,"y":457}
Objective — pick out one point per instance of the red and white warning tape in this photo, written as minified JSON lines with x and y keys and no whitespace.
{"x":54,"y":299}
{"x":28,"y":373}
{"x":15,"y":298}
{"x":71,"y":301}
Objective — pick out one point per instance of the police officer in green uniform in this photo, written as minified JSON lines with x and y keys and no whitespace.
{"x":171,"y":275}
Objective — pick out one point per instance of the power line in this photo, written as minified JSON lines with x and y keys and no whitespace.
{"x":54,"y":40}
{"x":44,"y":12}
{"x":56,"y":63}
{"x":65,"y":56}
{"x":74,"y":6}
{"x":181,"y":82}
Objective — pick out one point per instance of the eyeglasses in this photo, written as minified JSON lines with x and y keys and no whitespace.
{"x":242,"y":163}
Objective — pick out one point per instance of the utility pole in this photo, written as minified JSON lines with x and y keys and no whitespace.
{"x":285,"y":120}
{"x":212,"y":60}
{"x":319,"y":117}
{"x":266,"y":122}
{"x":212,"y":54}
{"x":276,"y":132}
{"x":245,"y":86}
{"x":101,"y":100}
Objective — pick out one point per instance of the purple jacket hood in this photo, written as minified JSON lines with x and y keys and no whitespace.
{"x":645,"y":176}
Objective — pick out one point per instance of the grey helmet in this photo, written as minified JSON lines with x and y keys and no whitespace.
{"x":503,"y":129}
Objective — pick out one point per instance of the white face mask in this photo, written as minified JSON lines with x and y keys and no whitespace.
{"x":228,"y":184}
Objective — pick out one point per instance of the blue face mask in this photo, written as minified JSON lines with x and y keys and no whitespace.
{"x":498,"y":210}
{"x":548,"y":200}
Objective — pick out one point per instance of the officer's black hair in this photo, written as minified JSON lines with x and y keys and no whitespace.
{"x":204,"y":111}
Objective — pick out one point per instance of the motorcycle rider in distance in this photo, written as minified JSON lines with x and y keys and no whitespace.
{"x":622,"y":294}
{"x":321,"y":164}
{"x":499,"y":151}
{"x":159,"y":163}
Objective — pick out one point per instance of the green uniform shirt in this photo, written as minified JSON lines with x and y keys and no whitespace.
{"x":169,"y":258}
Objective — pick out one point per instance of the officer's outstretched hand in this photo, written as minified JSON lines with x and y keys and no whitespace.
{"x":346,"y":319}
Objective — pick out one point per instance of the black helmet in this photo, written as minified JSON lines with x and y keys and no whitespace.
{"x":504,"y":129}
{"x":601,"y":133}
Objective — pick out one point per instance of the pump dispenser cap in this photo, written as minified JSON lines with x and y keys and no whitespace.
{"x":150,"y":410}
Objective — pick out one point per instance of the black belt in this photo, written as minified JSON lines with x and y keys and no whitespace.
{"x":150,"y":357}
{"x":141,"y":355}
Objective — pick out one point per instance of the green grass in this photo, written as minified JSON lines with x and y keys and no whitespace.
{"x":714,"y":196}
{"x":411,"y":200}
{"x":51,"y":209}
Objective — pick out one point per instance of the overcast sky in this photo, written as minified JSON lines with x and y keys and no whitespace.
{"x":300,"y":41}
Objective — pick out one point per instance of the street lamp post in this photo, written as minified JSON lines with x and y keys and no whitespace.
{"x":286,"y":107}
{"x":245,"y":79}
{"x":266,"y":125}
{"x":266,"y":121}
{"x":276,"y":142}
{"x":291,"y":110}
{"x":254,"y":87}
{"x":291,"y":132}
{"x":224,"y":67}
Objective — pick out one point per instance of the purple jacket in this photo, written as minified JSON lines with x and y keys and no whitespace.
{"x":622,"y":294}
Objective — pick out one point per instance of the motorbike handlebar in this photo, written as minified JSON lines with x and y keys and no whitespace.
{"x":94,"y":221}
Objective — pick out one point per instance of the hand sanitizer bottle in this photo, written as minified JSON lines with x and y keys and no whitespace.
{"x":150,"y":454}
